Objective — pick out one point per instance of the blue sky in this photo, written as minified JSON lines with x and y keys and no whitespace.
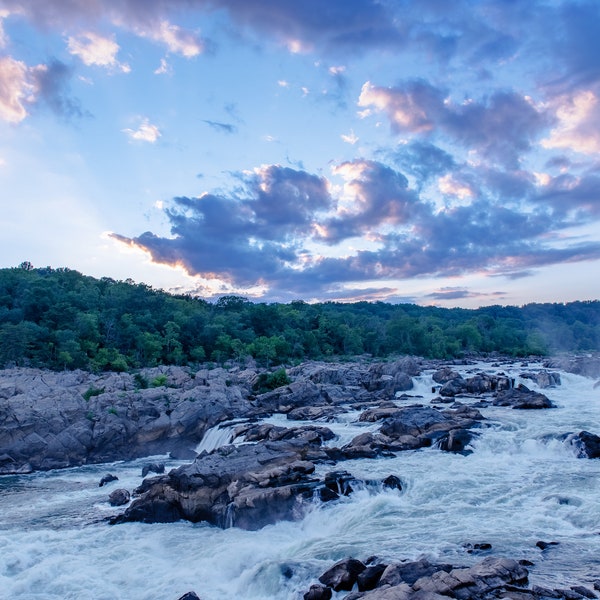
{"x":433,"y":152}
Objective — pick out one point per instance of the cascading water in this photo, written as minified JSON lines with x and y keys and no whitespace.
{"x":522,"y":483}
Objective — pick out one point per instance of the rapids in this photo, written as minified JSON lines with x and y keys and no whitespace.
{"x":522,"y":483}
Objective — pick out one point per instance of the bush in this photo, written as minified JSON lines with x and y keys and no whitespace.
{"x":159,"y":381}
{"x":92,"y":391}
{"x":271,"y":381}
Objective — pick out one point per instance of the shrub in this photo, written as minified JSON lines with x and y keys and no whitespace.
{"x":159,"y":381}
{"x":271,"y":381}
{"x":92,"y":391}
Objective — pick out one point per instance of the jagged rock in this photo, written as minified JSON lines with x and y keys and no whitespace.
{"x":62,"y":419}
{"x":445,"y":374}
{"x":119,"y":497}
{"x":248,"y":486}
{"x":189,"y":596}
{"x":522,"y":398}
{"x":312,"y":413}
{"x":343,"y":575}
{"x":157,"y":468}
{"x":107,"y":479}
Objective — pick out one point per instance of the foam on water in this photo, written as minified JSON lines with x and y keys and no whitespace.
{"x":522,"y":483}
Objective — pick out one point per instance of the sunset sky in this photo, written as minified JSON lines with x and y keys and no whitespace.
{"x":407,"y":151}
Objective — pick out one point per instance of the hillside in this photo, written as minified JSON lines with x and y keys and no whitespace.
{"x":61,"y":319}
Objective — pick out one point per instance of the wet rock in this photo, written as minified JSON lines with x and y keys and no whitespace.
{"x":392,"y":482}
{"x":583,"y":591}
{"x":369,"y":578}
{"x":119,"y":497}
{"x":456,"y":440}
{"x":107,"y":479}
{"x":522,"y":398}
{"x":157,"y":468}
{"x":544,"y":545}
{"x":318,"y":592}
{"x":544,"y":379}
{"x":189,"y":596}
{"x":587,"y":444}
{"x":343,"y":575}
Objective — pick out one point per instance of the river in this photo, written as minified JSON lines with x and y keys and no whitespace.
{"x":521,"y":484}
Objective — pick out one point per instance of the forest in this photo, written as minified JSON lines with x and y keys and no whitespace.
{"x":58,"y":318}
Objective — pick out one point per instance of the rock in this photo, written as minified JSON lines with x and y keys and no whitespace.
{"x":456,"y":441}
{"x":544,"y":379}
{"x":248,"y":486}
{"x":445,"y":374}
{"x":583,"y":591}
{"x":157,"y":468}
{"x":587,"y":444}
{"x":312,"y":413}
{"x":369,"y":578}
{"x":318,"y":592}
{"x":119,"y":497}
{"x":107,"y":479}
{"x":522,"y":398}
{"x":392,"y":482}
{"x":544,"y":545}
{"x":343,"y":575}
{"x":189,"y":596}
{"x":63,"y":419}
{"x":410,"y":572}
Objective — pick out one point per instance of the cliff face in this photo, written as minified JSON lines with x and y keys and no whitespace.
{"x":54,"y":420}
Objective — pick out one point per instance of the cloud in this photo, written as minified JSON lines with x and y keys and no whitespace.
{"x":176,"y":39}
{"x":578,"y":127}
{"x":51,"y":83}
{"x":97,"y":50}
{"x":16,"y":89}
{"x":163,"y":68}
{"x":350,"y":138}
{"x":221,"y":127}
{"x":146,"y":132}
{"x":501,"y":127}
{"x":266,"y":234}
{"x":456,"y":293}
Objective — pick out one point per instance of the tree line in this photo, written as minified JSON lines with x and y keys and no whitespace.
{"x":60,"y":319}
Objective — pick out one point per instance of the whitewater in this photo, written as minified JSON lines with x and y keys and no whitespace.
{"x":522,"y":483}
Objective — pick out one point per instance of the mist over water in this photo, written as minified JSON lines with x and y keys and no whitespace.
{"x":522,"y":483}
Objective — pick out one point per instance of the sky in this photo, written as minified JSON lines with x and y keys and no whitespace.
{"x":432,"y":152}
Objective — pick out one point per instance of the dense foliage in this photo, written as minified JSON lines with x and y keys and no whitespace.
{"x":61,"y":319}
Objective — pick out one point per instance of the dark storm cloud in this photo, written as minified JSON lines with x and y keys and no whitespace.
{"x":221,"y":127}
{"x":238,"y":238}
{"x":263,"y":236}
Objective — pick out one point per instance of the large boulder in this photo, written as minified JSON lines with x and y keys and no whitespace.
{"x":522,"y":398}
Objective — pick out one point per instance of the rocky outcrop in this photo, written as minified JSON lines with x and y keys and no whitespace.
{"x":53,"y":420}
{"x":412,"y":427}
{"x":493,"y":577}
{"x":587,"y":365}
{"x":248,"y":486}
